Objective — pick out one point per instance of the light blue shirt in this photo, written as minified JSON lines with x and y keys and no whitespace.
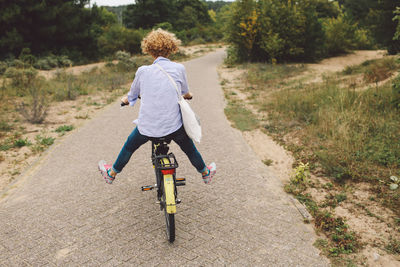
{"x":159,"y":113}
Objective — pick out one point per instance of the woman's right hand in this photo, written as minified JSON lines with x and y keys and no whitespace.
{"x":188,"y":96}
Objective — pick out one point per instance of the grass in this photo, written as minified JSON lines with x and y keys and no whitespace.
{"x":342,"y":133}
{"x":387,"y":65}
{"x":349,"y":135}
{"x":264,"y":76}
{"x":393,"y":246}
{"x":242,"y":118}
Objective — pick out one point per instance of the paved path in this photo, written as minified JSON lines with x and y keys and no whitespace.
{"x":62,"y":213}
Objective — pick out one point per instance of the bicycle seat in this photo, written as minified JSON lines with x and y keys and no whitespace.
{"x":159,"y":140}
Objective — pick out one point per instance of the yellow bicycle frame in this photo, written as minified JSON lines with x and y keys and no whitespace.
{"x":169,"y":190}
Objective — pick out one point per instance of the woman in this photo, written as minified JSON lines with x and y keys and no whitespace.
{"x":159,"y":113}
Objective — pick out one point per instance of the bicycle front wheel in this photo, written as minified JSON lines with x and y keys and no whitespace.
{"x":169,"y":222}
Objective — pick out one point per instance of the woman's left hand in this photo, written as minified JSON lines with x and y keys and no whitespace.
{"x":125,"y":100}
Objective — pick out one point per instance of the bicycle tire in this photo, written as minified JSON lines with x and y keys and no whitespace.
{"x":169,"y":222}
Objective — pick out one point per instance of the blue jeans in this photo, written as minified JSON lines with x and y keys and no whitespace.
{"x":135,"y":140}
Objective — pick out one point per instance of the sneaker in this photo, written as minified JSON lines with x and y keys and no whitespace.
{"x":105,"y":171}
{"x":212,"y":169}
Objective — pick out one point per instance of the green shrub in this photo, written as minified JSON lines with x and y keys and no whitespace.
{"x":42,"y":64}
{"x":232,"y":56}
{"x":117,"y":37}
{"x":64,"y":61}
{"x":27,"y":57}
{"x":21,"y":79}
{"x":19,"y":64}
{"x":340,"y":35}
{"x":165,"y":26}
{"x":3,"y":67}
{"x":363,"y":39}
{"x":275,"y":30}
{"x":51,"y":62}
{"x":125,"y":62}
{"x":35,"y":109}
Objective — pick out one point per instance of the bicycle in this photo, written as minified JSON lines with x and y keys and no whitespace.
{"x":165,"y":165}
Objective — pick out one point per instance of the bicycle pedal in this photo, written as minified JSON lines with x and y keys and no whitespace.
{"x":147,"y":187}
{"x":178,"y":183}
{"x":181,"y":179}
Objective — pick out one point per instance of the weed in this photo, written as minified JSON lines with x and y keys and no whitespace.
{"x":328,"y":185}
{"x":42,"y":142}
{"x":5,"y":127}
{"x":5,"y":146}
{"x":21,"y":142}
{"x":46,"y":141}
{"x":393,"y":246}
{"x":300,"y":174}
{"x":268,"y":162}
{"x":321,"y":243}
{"x":343,"y":240}
{"x":341,"y":197}
{"x":64,"y":128}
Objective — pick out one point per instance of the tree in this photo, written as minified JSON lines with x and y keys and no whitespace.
{"x":376,"y":16}
{"x":182,"y":14}
{"x":147,"y":13}
{"x":57,"y":26}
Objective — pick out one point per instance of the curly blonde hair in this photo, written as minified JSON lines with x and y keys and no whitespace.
{"x":160,"y":43}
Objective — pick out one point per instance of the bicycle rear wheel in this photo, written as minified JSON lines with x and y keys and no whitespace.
{"x":169,"y":222}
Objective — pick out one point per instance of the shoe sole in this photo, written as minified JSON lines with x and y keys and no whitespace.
{"x":103,"y":171}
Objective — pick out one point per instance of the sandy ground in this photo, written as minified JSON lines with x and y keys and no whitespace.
{"x":372,"y":230}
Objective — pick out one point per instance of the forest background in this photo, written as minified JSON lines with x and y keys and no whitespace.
{"x":265,"y":30}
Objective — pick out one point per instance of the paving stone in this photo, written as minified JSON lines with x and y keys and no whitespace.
{"x":65,"y":215}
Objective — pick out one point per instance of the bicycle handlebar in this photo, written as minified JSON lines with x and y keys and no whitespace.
{"x":126,"y":104}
